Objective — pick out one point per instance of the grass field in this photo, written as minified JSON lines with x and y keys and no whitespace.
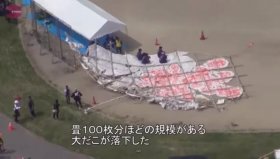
{"x":18,"y":78}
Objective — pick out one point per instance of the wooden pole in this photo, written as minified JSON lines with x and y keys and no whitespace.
{"x":245,"y":93}
{"x":73,"y":52}
{"x":182,"y":68}
{"x":128,"y":65}
{"x":209,"y":90}
{"x":153,"y":87}
{"x":107,"y":101}
{"x":49,"y":41}
{"x":169,"y":82}
{"x":59,"y":37}
{"x":265,"y":155}
{"x":34,"y":18}
{"x":96,"y":56}
{"x":112,"y":64}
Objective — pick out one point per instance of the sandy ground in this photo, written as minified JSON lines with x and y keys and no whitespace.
{"x":229,"y":25}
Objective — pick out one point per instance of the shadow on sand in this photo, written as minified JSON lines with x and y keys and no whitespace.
{"x":129,"y":43}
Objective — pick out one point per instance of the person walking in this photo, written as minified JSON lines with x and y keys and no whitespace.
{"x":67,"y":94}
{"x":77,"y":97}
{"x":31,"y":107}
{"x":56,"y":106}
{"x":17,"y":107}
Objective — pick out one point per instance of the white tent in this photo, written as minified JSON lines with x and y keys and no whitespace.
{"x":83,"y":16}
{"x":277,"y":154}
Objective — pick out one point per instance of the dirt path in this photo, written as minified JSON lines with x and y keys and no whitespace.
{"x":230,"y":26}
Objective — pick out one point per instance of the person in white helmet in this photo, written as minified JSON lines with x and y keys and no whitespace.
{"x":17,"y":107}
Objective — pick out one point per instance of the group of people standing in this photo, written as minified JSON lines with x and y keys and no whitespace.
{"x":114,"y":43}
{"x":145,"y":58}
{"x":17,"y":107}
{"x":76,"y":95}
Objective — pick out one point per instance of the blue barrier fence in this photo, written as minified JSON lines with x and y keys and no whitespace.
{"x":61,"y":31}
{"x":26,"y":2}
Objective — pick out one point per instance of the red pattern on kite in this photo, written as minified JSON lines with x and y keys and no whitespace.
{"x":207,"y":79}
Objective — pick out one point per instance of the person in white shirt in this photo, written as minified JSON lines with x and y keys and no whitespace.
{"x":17,"y":107}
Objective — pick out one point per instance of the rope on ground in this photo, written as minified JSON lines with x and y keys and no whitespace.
{"x":107,"y":101}
{"x":266,"y":155}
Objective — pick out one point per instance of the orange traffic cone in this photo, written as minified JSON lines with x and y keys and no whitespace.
{"x":156,"y":42}
{"x":93,"y":100}
{"x":202,"y":36}
{"x":11,"y":127}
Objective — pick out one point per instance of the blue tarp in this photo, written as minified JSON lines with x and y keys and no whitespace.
{"x":29,"y":16}
{"x":54,"y":25}
{"x":64,"y":31}
{"x":26,"y":2}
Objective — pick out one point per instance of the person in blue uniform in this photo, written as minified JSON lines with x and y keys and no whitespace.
{"x":139,"y":54}
{"x":145,"y":58}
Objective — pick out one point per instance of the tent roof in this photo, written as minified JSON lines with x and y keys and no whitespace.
{"x":82,"y":16}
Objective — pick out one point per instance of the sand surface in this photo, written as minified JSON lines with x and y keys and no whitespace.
{"x":229,"y":25}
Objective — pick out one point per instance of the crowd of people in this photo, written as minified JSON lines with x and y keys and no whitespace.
{"x":115,"y":44}
{"x":76,"y":95}
{"x":145,"y":58}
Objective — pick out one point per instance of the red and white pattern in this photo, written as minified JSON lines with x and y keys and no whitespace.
{"x":207,"y":79}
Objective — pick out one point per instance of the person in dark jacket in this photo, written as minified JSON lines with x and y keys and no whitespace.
{"x":163,"y":58}
{"x":67,"y":94}
{"x":160,"y":51}
{"x":139,"y":54}
{"x":145,"y":58}
{"x":31,"y":107}
{"x":56,"y":106}
{"x":77,"y":95}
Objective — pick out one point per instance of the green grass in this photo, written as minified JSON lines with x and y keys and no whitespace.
{"x":18,"y":78}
